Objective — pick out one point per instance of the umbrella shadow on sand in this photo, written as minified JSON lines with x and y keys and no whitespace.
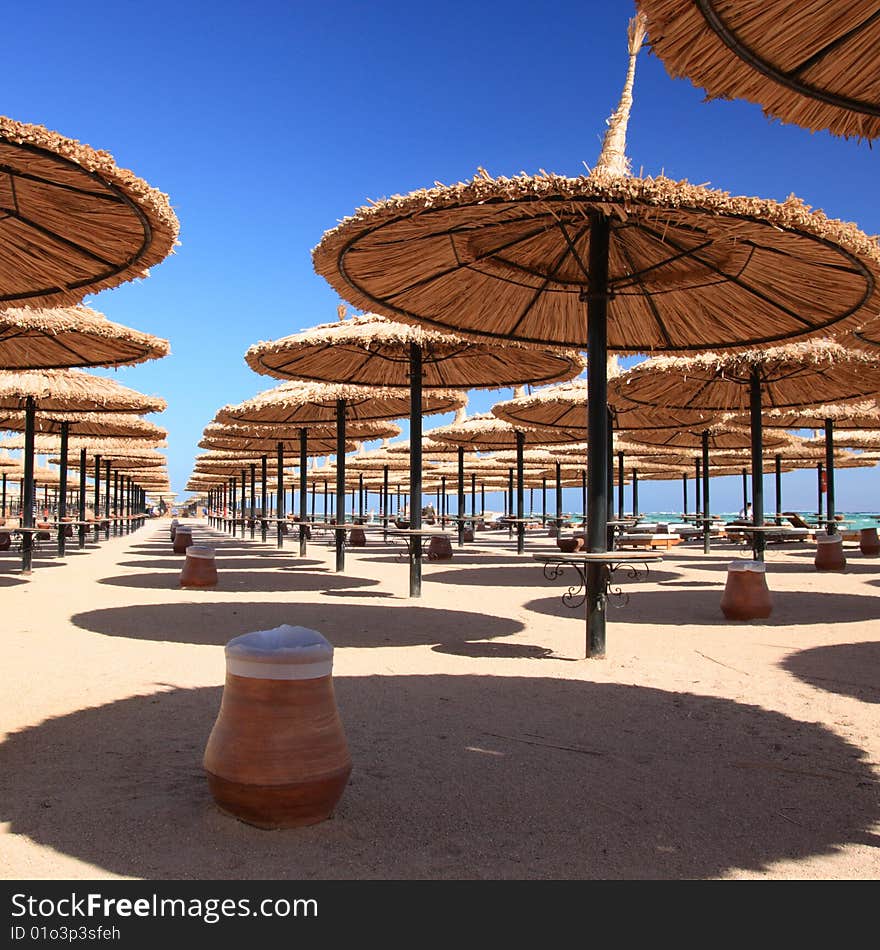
{"x":248,"y":581}
{"x":175,"y":563}
{"x":850,"y":669}
{"x":344,"y":625}
{"x":703,"y":607}
{"x":456,"y":777}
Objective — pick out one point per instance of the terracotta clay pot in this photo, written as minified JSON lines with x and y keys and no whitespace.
{"x":357,"y":538}
{"x":199,"y":568}
{"x":746,"y":595}
{"x":869,"y":543}
{"x":468,"y":534}
{"x":277,"y":755}
{"x":829,"y":553}
{"x":552,"y":531}
{"x":571,"y":544}
{"x":174,"y":524}
{"x":439,"y":549}
{"x":182,"y":539}
{"x":5,"y":540}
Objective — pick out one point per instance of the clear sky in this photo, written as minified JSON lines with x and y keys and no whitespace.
{"x":267,"y":122}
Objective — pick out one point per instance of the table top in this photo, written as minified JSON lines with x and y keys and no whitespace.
{"x":614,"y":557}
{"x":421,"y":531}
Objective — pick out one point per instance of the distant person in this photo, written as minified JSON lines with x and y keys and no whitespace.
{"x":747,"y":511}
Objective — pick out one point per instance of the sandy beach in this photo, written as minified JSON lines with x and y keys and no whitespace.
{"x":483,"y":746}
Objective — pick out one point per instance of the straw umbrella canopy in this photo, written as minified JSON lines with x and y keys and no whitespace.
{"x":370,"y":350}
{"x":607,"y":262}
{"x":73,"y":221}
{"x":51,"y":444}
{"x":788,"y":376}
{"x":853,"y":415}
{"x":63,"y":337}
{"x":852,"y":439}
{"x":811,"y":63}
{"x":306,"y":404}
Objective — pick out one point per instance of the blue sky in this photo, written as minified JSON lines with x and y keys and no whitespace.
{"x":266,"y":122}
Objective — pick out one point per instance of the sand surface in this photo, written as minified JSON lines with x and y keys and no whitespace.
{"x":483,"y":746}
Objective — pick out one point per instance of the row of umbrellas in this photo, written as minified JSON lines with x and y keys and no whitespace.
{"x":75,"y":223}
{"x":608,"y":262}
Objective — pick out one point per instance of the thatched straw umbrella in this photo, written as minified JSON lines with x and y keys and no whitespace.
{"x":605,"y":261}
{"x":66,"y":337}
{"x":305,"y":405}
{"x":793,"y":375}
{"x":814,"y":64}
{"x":373,"y":351}
{"x":65,"y":392}
{"x":370,"y":350}
{"x":74,"y":222}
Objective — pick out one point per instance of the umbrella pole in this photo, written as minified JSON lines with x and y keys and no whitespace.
{"x":62,"y":509}
{"x":509,"y":501}
{"x":361,"y":497}
{"x":325,"y":501}
{"x":303,"y":490}
{"x":778,"y":488}
{"x":385,"y":502}
{"x":635,"y":475}
{"x":520,"y":512}
{"x":107,"y":467}
{"x":620,"y":486}
{"x":609,"y":516}
{"x":829,"y":477}
{"x":474,"y":499}
{"x":745,"y":489}
{"x":27,"y":487}
{"x":583,"y":499}
{"x":597,"y":431}
{"x":340,"y":484}
{"x":482,"y":499}
{"x":233,"y":491}
{"x":116,"y":497}
{"x":415,"y":469}
{"x":97,"y":496}
{"x":253,"y":509}
{"x":264,"y":524}
{"x":558,"y":498}
{"x":760,"y":542}
{"x":820,"y":468}
{"x":705,"y":440}
{"x":698,"y":485}
{"x":684,"y":493}
{"x":543,"y":501}
{"x":312,"y":517}
{"x":279,"y":495}
{"x":460,"y":503}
